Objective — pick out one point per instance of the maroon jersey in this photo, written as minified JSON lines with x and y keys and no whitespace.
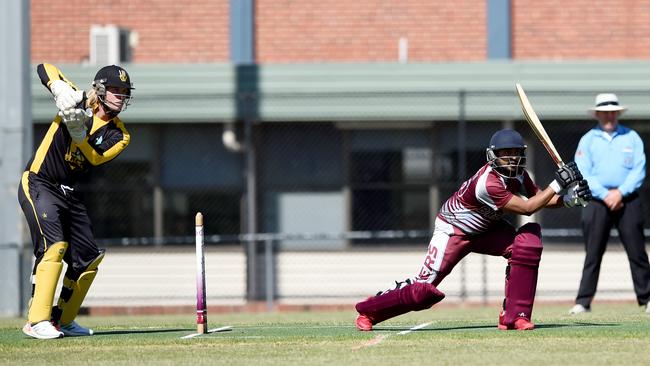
{"x":479,"y":201}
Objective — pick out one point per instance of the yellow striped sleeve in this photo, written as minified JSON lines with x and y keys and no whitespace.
{"x":95,"y":158}
{"x":48,"y":73}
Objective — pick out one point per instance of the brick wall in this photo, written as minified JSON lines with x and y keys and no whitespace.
{"x":369,"y":30}
{"x":168,"y":30}
{"x":581,"y":29}
{"x":346,"y":31}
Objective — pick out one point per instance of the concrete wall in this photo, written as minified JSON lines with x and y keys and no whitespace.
{"x":168,"y":278}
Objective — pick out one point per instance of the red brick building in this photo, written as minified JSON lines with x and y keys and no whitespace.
{"x":289,"y":31}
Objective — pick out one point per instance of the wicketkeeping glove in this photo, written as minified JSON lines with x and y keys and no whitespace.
{"x":579,"y":195}
{"x":75,"y":121}
{"x":64,"y":96}
{"x":565,"y":176}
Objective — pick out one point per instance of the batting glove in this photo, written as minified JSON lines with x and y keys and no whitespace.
{"x":565,"y":176}
{"x":65,"y":96}
{"x":75,"y":121}
{"x":579,"y":195}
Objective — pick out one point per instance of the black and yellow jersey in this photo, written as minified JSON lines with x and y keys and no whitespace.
{"x":59,"y":159}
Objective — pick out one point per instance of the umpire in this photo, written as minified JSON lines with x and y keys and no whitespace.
{"x":612,"y":159}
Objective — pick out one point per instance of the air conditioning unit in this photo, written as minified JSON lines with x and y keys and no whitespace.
{"x":109,"y":45}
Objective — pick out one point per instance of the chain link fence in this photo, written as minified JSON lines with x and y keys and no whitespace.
{"x":324,"y":191}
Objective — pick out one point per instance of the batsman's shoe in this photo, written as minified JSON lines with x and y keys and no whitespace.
{"x":523,"y":324}
{"x":363,"y":323}
{"x":75,"y":330}
{"x":520,"y":323}
{"x":42,"y":330}
{"x":578,"y":309}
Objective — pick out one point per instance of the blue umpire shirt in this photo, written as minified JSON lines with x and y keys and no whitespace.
{"x":611,"y":161}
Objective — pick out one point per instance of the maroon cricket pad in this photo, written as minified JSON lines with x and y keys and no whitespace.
{"x":522,"y":283}
{"x":414,"y":297}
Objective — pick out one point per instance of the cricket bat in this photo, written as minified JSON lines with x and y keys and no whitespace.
{"x":536,"y":125}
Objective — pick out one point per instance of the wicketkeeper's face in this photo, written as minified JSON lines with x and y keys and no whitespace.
{"x":117,"y":98}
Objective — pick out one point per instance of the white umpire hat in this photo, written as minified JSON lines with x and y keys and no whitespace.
{"x":607,"y":102}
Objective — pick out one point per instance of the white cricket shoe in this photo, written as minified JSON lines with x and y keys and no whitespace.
{"x":647,"y":308}
{"x":577,"y":309}
{"x":75,"y":330}
{"x":42,"y":330}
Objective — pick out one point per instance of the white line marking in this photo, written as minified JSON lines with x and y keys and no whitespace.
{"x":381,"y":337}
{"x":215,"y":330}
{"x":222,"y":329}
{"x":423,"y":325}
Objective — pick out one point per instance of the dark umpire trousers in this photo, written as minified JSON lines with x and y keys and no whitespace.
{"x":597,"y":221}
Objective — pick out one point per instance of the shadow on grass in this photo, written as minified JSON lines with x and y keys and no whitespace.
{"x":433,"y":328}
{"x":576,"y":324}
{"x":141,"y":331}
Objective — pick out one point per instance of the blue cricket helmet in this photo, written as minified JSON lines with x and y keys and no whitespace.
{"x":507,"y":139}
{"x":514,"y":165}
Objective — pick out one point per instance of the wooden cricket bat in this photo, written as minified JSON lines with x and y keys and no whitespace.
{"x":537,"y":126}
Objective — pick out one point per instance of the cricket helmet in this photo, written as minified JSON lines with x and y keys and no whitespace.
{"x":510,"y":166}
{"x":113,"y":76}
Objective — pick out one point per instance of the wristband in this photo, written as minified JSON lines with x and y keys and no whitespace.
{"x":555,"y":186}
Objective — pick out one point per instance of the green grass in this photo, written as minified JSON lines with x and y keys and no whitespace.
{"x":610,"y":335}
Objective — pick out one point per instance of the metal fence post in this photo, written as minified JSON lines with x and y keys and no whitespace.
{"x":484,"y":280}
{"x":463,"y":281}
{"x":269,"y":273}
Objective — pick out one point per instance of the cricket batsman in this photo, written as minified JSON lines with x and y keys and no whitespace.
{"x":86,"y":132}
{"x":471,"y":220}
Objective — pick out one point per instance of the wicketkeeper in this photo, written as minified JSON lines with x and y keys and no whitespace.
{"x":471,"y":221}
{"x":85,"y":133}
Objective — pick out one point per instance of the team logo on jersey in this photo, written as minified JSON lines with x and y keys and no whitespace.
{"x":123,"y":76}
{"x":74,"y":158}
{"x":44,"y":215}
{"x":489,"y":213}
{"x":99,"y":140}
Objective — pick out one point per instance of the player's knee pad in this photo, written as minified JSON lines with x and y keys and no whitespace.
{"x":420,"y":296}
{"x":414,"y":297}
{"x":74,"y":292}
{"x":527,"y":247}
{"x":531,"y":228}
{"x":46,"y":277}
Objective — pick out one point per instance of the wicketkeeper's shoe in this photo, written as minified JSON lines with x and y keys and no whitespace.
{"x":75,"y":330}
{"x":363,"y":323}
{"x":578,"y":309}
{"x":520,"y":323}
{"x":42,"y":330}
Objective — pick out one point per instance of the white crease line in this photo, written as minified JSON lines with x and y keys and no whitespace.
{"x":215,"y":330}
{"x":380,"y":338}
{"x":423,"y":325}
{"x":222,"y":329}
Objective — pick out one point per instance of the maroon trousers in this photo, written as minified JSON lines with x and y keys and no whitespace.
{"x":522,"y":248}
